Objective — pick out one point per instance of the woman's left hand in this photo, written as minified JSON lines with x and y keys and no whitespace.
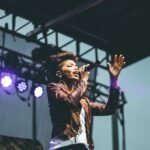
{"x":115,"y":68}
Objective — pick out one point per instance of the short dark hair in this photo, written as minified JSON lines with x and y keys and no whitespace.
{"x":58,"y":59}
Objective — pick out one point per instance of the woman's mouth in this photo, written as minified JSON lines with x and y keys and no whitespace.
{"x":76,"y":73}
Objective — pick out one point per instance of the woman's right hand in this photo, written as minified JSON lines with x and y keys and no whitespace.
{"x":83,"y":73}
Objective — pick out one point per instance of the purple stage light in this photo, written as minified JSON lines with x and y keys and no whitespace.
{"x":6,"y":81}
{"x":38,"y":91}
{"x":21,"y":86}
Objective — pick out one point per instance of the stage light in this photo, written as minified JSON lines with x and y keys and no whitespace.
{"x":21,"y":86}
{"x":38,"y":91}
{"x":6,"y":81}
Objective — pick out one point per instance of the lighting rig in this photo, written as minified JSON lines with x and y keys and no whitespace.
{"x":17,"y":71}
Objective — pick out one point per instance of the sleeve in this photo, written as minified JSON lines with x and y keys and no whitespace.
{"x":99,"y":109}
{"x":73,"y":98}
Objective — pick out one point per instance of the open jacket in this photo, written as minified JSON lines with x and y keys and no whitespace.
{"x":65,"y":109}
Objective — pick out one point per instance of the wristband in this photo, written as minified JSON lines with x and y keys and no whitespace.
{"x":114,"y":82}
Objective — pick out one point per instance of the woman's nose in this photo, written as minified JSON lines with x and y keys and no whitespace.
{"x":77,"y":68}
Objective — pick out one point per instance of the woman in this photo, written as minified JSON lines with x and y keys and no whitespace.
{"x":70,"y":109}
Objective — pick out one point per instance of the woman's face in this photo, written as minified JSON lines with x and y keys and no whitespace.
{"x":69,"y":70}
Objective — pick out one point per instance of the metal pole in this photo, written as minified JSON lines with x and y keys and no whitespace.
{"x":123,"y":130}
{"x":115,"y":140}
{"x":33,"y":121}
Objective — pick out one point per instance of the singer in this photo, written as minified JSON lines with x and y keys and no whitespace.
{"x":70,"y":109}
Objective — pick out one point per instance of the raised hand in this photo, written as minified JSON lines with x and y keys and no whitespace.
{"x":115,"y":68}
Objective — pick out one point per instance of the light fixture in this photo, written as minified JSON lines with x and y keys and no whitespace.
{"x":21,"y":86}
{"x":38,"y":91}
{"x":6,"y":80}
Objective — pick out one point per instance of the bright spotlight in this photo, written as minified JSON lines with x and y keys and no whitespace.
{"x":38,"y":91}
{"x":21,"y":86}
{"x":6,"y":81}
